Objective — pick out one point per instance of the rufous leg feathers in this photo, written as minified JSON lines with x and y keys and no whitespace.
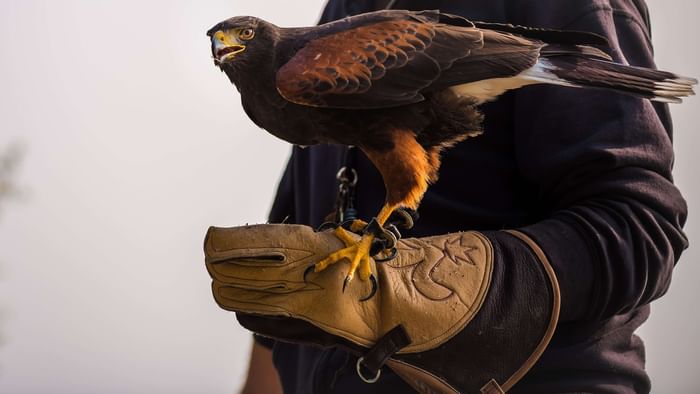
{"x":407,"y":169}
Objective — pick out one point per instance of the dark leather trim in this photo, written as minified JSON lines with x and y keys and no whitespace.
{"x":492,"y":387}
{"x":523,"y":308}
{"x":556,"y":303}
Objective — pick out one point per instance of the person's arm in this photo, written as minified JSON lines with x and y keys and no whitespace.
{"x":601,"y":163}
{"x":262,"y":376}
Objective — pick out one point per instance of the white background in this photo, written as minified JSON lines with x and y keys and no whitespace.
{"x":133,"y":145}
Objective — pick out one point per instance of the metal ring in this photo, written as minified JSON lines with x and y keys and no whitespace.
{"x":393,"y":231}
{"x":359,"y":372}
{"x":343,"y":177}
{"x":389,"y":238}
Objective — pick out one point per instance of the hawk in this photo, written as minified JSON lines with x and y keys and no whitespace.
{"x":403,"y":86}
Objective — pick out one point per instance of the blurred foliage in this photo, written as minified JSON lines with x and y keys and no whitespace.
{"x":9,"y":161}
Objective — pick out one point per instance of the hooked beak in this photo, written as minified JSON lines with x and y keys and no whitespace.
{"x":224,"y":47}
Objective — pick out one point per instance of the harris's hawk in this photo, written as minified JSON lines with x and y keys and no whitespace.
{"x":402,"y":86}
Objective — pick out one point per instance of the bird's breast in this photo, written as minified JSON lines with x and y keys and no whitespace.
{"x":290,"y":122}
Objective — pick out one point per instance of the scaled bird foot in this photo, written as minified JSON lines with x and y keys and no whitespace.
{"x":356,"y":252}
{"x":359,"y":252}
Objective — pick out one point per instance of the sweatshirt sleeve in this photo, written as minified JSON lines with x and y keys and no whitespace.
{"x":282,"y":210}
{"x":601,"y":164}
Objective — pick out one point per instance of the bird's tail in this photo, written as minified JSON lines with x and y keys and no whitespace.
{"x":584,"y":71}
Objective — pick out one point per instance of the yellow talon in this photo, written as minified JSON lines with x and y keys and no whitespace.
{"x":356,"y":252}
{"x":344,"y":236}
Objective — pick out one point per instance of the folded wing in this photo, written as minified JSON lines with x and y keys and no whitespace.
{"x":383,"y":64}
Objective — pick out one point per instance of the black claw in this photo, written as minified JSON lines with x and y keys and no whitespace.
{"x":374,"y":288}
{"x":345,"y":283}
{"x":308,"y":271}
{"x":404,"y":218}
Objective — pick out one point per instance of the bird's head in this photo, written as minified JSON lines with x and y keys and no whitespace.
{"x":240,"y":40}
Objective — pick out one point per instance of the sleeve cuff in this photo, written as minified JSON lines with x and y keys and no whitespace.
{"x":573,"y":261}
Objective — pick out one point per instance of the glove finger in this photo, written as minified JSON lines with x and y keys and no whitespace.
{"x":259,"y":300}
{"x":223,"y":243}
{"x":264,"y":252}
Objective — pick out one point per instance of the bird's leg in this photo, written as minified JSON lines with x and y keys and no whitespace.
{"x":357,"y":252}
{"x":406,"y":168}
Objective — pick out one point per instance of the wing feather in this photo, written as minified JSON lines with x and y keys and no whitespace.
{"x":382,"y":64}
{"x":391,"y":58}
{"x":502,"y":55}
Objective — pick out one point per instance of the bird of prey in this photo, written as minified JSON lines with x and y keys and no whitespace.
{"x":403,"y":86}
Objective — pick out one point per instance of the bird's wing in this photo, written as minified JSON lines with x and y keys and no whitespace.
{"x":374,"y":65}
{"x":550,"y":36}
{"x":502,"y":55}
{"x":509,"y":59}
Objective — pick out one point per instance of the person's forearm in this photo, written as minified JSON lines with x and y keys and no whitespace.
{"x":262,"y":376}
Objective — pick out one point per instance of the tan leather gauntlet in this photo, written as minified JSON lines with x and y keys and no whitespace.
{"x":426,"y":300}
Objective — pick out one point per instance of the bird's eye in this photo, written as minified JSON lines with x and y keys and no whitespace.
{"x":246,"y":34}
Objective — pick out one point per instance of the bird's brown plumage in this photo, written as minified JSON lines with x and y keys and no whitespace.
{"x":382,"y":64}
{"x":349,"y":61}
{"x":404,"y":85}
{"x":384,"y":81}
{"x":407,"y":169}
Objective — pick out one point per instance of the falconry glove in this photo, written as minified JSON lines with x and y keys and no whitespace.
{"x":462,"y":312}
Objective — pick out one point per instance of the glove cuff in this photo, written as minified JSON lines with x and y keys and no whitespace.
{"x":509,"y":333}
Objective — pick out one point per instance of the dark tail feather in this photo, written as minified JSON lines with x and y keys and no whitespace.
{"x":580,"y":71}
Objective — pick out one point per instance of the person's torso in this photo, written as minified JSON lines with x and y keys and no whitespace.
{"x":479,"y":188}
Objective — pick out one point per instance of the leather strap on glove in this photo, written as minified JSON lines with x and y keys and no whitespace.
{"x":452,"y":313}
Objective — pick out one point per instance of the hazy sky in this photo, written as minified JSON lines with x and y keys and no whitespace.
{"x":134,"y":145}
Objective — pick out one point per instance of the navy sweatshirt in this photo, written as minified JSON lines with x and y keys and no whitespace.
{"x":585,"y":173}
